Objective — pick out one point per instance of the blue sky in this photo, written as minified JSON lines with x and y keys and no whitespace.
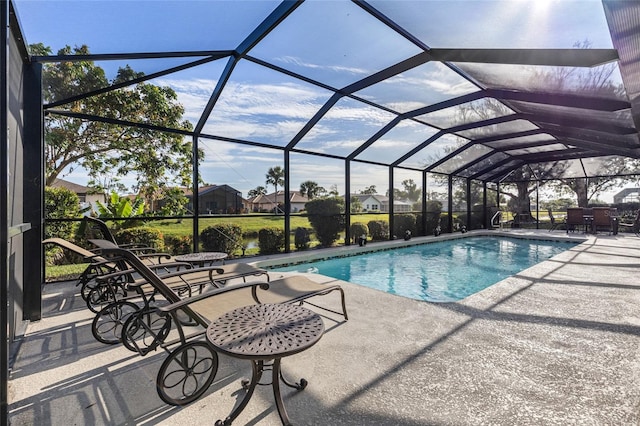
{"x":333,"y":42}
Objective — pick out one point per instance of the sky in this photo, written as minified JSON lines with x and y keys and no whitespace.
{"x":333,"y":42}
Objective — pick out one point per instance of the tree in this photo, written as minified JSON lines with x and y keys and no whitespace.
{"x":174,"y":202}
{"x":311,"y":189}
{"x":325,"y":215}
{"x":110,"y":149}
{"x":411,"y":190}
{"x":275,"y":177}
{"x":356,"y":205}
{"x":370,"y":190}
{"x":258,"y":190}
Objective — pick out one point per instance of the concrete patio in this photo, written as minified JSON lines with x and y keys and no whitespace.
{"x":555,"y":345}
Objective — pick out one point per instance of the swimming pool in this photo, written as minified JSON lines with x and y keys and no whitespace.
{"x":442,"y":271}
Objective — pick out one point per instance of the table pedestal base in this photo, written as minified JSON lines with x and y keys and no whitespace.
{"x":258,"y":367}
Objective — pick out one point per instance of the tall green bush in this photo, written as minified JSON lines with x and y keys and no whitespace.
{"x":223,"y":237}
{"x":302,"y":238}
{"x":434,"y":210}
{"x":60,"y":203}
{"x":325,"y":215}
{"x":403,"y":223}
{"x":178,"y":244}
{"x":142,"y":235}
{"x":379,"y":230}
{"x":357,"y":229}
{"x":270,"y":240}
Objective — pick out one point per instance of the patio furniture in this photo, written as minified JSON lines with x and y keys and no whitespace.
{"x":554,"y":222}
{"x":191,"y":365}
{"x":633,"y":226}
{"x":575,"y":219}
{"x":264,"y":334}
{"x":93,"y":228}
{"x":201,"y":258}
{"x":99,"y":265}
{"x":604,"y":219}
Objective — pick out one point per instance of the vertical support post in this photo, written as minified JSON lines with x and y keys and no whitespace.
{"x":4,"y":218}
{"x":391,"y":209}
{"x":424,"y":203}
{"x":196,"y":197}
{"x":287,"y":202}
{"x":485,"y":225}
{"x":468,"y":222}
{"x":450,"y":203}
{"x":537,"y":204}
{"x":347,"y":202}
{"x":33,"y":204}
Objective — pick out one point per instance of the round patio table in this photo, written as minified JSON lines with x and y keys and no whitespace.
{"x":201,"y":258}
{"x":264,"y":334}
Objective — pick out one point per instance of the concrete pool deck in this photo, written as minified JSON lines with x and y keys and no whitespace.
{"x":555,"y":344}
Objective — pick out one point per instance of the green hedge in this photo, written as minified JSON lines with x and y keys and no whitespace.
{"x":302,"y":238}
{"x":270,"y":240}
{"x":223,"y":237}
{"x":379,"y":230}
{"x":143,"y":235}
{"x":357,"y":229}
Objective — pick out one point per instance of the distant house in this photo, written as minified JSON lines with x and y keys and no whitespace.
{"x":370,"y":202}
{"x":87,"y":196}
{"x":270,"y":202}
{"x":217,"y":199}
{"x":380,"y":203}
{"x":627,"y":195}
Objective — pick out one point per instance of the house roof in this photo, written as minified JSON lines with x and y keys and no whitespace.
{"x":77,"y":188}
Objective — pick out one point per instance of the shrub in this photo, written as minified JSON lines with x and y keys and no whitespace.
{"x":357,"y":229}
{"x":434,"y":209}
{"x":379,"y":230}
{"x":178,"y":245}
{"x":403,"y":223}
{"x":270,"y":240}
{"x":223,"y":237}
{"x":60,"y":203}
{"x":302,"y":238}
{"x":142,"y":235}
{"x":325,"y":215}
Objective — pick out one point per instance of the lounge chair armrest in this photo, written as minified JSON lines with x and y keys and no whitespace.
{"x":211,"y":293}
{"x":158,"y":255}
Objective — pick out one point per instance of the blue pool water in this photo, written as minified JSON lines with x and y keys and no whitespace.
{"x":442,"y":271}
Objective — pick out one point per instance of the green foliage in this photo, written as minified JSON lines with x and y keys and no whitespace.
{"x":60,"y":203}
{"x":107,"y":149}
{"x":223,"y":237}
{"x":302,"y":238}
{"x":178,"y":245}
{"x":356,"y":205}
{"x":121,"y":207}
{"x":173,"y":202}
{"x":379,"y":230}
{"x":357,"y":229}
{"x":143,"y":235}
{"x":402,"y":223}
{"x":434,"y":210}
{"x":311,"y":189}
{"x":326,"y":218}
{"x":270,"y":240}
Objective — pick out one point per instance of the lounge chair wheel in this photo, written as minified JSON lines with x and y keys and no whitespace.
{"x":187,"y":373}
{"x":108,"y":323}
{"x":145,"y":330}
{"x":102,"y":295}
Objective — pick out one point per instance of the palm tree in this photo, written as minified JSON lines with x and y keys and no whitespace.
{"x":258,"y":190}
{"x":310,"y":189}
{"x":275,"y":177}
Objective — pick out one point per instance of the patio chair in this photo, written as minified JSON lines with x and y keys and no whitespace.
{"x":96,"y":229}
{"x":554,"y":222}
{"x":603,"y":219}
{"x":575,"y":219}
{"x":191,"y":365}
{"x":633,"y":226}
{"x":95,"y":296}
